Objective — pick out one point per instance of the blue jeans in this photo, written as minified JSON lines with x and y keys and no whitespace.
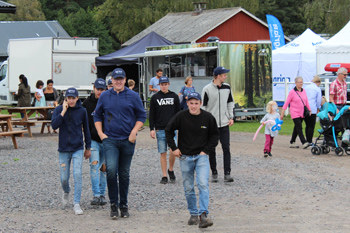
{"x":118,"y":160}
{"x":189,"y":165}
{"x":98,"y":178}
{"x":65,"y":159}
{"x":161,"y":141}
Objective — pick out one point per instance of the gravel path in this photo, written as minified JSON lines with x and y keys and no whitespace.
{"x":293,"y":191}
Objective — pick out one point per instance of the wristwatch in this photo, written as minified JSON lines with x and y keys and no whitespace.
{"x":88,"y":148}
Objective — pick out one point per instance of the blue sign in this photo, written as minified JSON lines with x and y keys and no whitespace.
{"x":276,"y":32}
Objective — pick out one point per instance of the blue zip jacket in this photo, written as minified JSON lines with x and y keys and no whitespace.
{"x":119,"y":112}
{"x":70,"y":134}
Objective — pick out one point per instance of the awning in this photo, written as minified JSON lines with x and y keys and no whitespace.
{"x":169,"y":52}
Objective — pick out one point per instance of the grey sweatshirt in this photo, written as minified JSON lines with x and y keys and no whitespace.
{"x":219,"y":102}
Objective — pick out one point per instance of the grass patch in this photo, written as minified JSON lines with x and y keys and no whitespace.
{"x":286,"y":128}
{"x":4,"y":111}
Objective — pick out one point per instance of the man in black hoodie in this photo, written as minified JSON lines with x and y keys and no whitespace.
{"x":163,"y":106}
{"x":97,"y":159}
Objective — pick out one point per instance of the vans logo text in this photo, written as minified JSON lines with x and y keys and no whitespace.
{"x":166,"y":101}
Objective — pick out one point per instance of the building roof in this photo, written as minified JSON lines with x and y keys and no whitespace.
{"x":185,"y":27}
{"x":7,"y":7}
{"x":28,"y":29}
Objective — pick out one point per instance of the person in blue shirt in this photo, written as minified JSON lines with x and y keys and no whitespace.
{"x":122,"y":113}
{"x":314,"y":96}
{"x":72,"y":120}
{"x":154,"y":82}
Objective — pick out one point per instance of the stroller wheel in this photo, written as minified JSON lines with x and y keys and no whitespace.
{"x":327,"y":150}
{"x":347,"y":150}
{"x":316,"y":150}
{"x":339,"y":151}
{"x":323,"y":149}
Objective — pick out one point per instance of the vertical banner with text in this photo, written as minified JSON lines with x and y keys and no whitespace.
{"x":276,"y":32}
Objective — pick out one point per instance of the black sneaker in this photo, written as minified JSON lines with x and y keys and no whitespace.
{"x":270,"y":154}
{"x":266,"y":154}
{"x":95,"y":201}
{"x":164,"y":180}
{"x":124,"y":213}
{"x":228,"y":178}
{"x":114,"y":211}
{"x":103,"y":200}
{"x":172,"y":176}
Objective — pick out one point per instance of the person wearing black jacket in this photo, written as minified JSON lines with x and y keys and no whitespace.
{"x":198,"y":136}
{"x":97,"y":159}
{"x":163,"y":106}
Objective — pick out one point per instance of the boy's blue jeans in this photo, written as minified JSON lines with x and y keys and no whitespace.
{"x":118,"y":160}
{"x":65,"y":160}
{"x":98,"y":178}
{"x":189,"y":165}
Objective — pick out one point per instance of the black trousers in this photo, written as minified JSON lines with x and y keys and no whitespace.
{"x":310,"y":127}
{"x":298,"y":130}
{"x":225,"y":144}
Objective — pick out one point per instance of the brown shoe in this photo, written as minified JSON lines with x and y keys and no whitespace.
{"x":193,"y":220}
{"x":204,"y":222}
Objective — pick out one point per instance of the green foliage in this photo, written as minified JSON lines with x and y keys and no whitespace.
{"x":288,"y":12}
{"x":84,"y":24}
{"x":15,"y":159}
{"x":27,"y":10}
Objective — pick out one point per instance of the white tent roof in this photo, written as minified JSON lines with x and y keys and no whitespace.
{"x":339,"y":43}
{"x":297,"y":58}
{"x":302,"y":44}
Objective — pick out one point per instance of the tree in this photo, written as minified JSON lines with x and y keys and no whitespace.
{"x":84,"y":24}
{"x":327,"y":16}
{"x":27,"y":10}
{"x":288,"y":12}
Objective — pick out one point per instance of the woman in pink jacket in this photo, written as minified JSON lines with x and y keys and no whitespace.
{"x":296,"y":100}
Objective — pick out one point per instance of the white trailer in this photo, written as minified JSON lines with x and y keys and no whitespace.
{"x":69,"y":62}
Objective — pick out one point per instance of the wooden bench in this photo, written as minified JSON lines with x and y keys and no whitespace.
{"x":13,"y":134}
{"x":32,"y":123}
{"x":253,"y":114}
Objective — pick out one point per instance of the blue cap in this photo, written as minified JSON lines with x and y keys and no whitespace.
{"x":194,"y":95}
{"x":72,"y":92}
{"x":118,"y":73}
{"x":100,"y":83}
{"x":220,"y":70}
{"x":109,"y":81}
{"x":163,"y":79}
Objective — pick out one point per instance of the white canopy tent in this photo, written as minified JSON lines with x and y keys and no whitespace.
{"x":297,"y":58}
{"x":334,"y":50}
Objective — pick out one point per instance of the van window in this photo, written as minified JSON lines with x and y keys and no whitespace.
{"x":3,"y":72}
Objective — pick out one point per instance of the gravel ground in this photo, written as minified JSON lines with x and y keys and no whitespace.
{"x":292,"y":191}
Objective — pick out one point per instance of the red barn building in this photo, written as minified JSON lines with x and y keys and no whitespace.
{"x":228,"y":24}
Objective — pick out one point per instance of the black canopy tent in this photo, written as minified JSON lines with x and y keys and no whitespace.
{"x":107,"y":63}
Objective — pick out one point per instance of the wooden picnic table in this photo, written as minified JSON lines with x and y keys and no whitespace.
{"x":27,"y":113}
{"x":7,"y":130}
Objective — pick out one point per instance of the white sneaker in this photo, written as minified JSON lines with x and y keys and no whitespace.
{"x":65,"y":198}
{"x":292,"y":145}
{"x":306,"y":145}
{"x":77,"y":210}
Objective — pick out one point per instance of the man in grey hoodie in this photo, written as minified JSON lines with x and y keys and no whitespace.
{"x":218,"y":100}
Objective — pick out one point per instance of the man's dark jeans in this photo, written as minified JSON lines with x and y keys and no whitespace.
{"x":118,"y":160}
{"x":225,"y":144}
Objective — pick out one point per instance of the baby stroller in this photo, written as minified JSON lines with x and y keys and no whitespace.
{"x":332,"y":125}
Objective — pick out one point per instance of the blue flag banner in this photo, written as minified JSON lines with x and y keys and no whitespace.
{"x":276,"y":32}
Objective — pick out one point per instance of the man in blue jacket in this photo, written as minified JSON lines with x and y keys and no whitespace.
{"x":71,"y":118}
{"x":122,"y":113}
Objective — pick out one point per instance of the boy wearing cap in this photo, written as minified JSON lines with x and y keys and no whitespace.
{"x":154,"y":82}
{"x":97,"y":159}
{"x":122,"y":113}
{"x":218,"y":100}
{"x":197,"y":136}
{"x":163,"y":106}
{"x":71,"y":118}
{"x":110,"y":84}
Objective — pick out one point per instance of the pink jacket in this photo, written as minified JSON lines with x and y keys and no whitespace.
{"x":296,"y":107}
